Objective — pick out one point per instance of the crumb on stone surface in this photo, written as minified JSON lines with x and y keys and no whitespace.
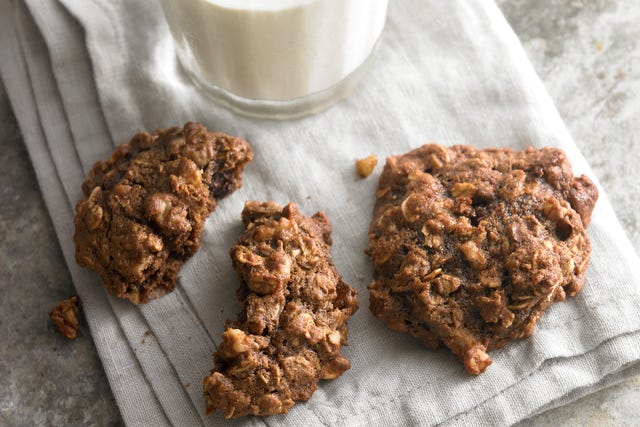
{"x":365,"y":167}
{"x":65,"y":317}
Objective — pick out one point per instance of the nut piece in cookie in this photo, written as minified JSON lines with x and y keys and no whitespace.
{"x":65,"y":317}
{"x":293,"y":323}
{"x":144,"y":209}
{"x":471,"y":246}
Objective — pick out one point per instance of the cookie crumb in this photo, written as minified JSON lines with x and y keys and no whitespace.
{"x":365,"y":167}
{"x":599,"y":47}
{"x":65,"y":317}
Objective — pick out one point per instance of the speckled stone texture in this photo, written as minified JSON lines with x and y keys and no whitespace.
{"x":587,"y":53}
{"x":44,"y":378}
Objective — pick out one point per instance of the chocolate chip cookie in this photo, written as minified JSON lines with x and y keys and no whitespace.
{"x":292,"y":326}
{"x":144,"y":209}
{"x":471,"y":246}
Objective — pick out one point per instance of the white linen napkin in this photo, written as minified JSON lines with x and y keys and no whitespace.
{"x":84,"y":75}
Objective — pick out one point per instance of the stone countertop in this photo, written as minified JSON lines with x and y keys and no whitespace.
{"x":587,"y":53}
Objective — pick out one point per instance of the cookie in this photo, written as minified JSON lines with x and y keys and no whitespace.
{"x":144,"y":209}
{"x":471,"y":246}
{"x":293,"y":322}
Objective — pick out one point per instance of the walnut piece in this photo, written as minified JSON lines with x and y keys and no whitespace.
{"x":365,"y":167}
{"x":65,"y":317}
{"x":295,"y":306}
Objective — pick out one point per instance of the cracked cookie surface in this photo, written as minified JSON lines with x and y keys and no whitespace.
{"x":144,"y":209}
{"x":471,"y":246}
{"x":293,"y":322}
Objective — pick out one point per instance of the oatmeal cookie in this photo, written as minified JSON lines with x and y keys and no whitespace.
{"x":144,"y":208}
{"x":292,"y":326}
{"x":471,"y":246}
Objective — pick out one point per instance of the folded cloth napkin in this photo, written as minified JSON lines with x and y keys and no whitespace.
{"x":84,"y":75}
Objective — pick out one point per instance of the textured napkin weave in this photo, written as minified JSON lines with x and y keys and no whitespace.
{"x":84,"y":75}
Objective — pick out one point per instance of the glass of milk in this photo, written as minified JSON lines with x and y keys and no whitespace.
{"x":276,"y":58}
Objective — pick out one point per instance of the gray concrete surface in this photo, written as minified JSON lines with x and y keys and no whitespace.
{"x":586,"y":51}
{"x":44,"y":379}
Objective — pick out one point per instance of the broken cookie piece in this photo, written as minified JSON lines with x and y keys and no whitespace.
{"x":471,"y":246}
{"x":144,"y":209}
{"x":293,"y":323}
{"x":65,"y":317}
